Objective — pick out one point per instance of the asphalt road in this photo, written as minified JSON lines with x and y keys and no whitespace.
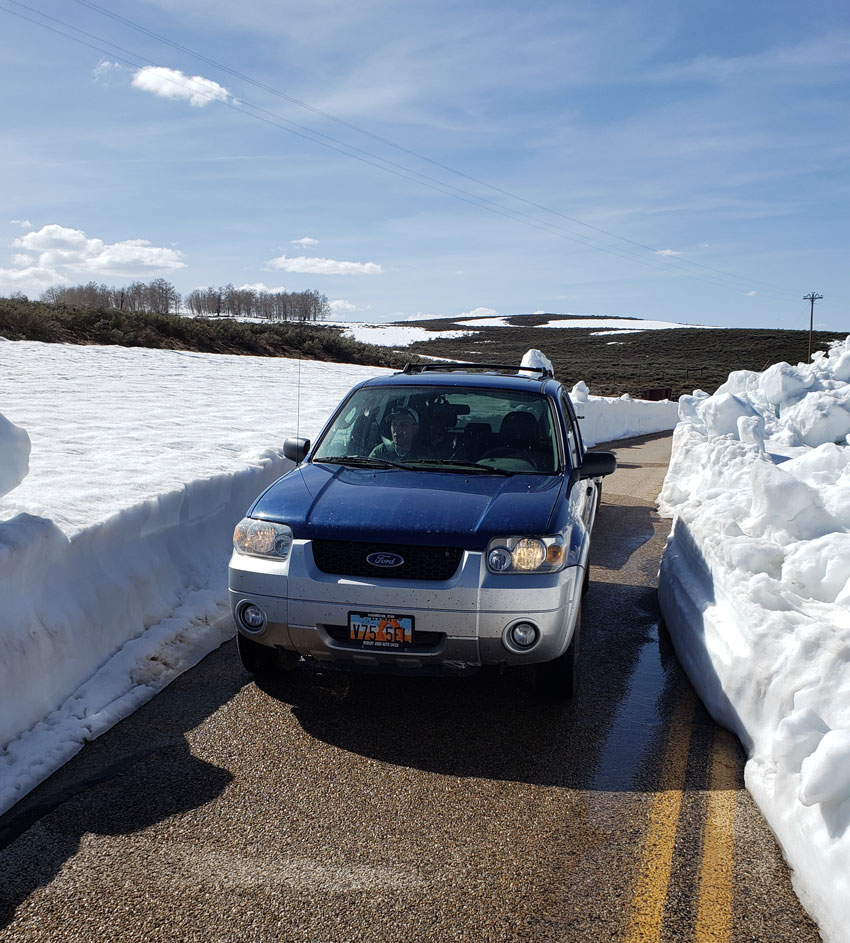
{"x":329,"y":809}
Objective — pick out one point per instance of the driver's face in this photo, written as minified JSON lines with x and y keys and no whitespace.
{"x":403,"y":430}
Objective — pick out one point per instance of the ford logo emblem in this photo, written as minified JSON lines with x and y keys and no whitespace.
{"x":385,"y":559}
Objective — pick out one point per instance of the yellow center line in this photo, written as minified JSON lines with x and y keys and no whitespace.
{"x":654,"y":878}
{"x":714,"y":912}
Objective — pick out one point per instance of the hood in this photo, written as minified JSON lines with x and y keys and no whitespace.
{"x":399,"y":506}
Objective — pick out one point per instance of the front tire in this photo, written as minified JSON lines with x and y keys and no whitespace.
{"x":265,"y":661}
{"x":557,"y":680}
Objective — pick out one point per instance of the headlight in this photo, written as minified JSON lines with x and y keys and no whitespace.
{"x":526,"y":554}
{"x":262,"y":538}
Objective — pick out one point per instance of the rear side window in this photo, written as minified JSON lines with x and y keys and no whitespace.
{"x":574,"y":443}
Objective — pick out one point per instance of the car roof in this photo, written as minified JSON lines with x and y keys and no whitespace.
{"x":480,"y":378}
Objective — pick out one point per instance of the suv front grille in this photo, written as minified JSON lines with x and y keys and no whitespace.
{"x":345,"y":558}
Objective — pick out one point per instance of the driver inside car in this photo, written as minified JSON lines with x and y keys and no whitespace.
{"x":405,"y":444}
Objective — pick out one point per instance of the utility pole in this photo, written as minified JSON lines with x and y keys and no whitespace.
{"x":812,"y":297}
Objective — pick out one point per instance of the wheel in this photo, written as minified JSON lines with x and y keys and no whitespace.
{"x":598,"y":494}
{"x":557,"y":680}
{"x":585,"y":583}
{"x":265,"y":660}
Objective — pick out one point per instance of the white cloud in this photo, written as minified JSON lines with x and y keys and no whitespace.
{"x":60,"y":255}
{"x":23,"y":223}
{"x":31,"y":281}
{"x":304,"y":265}
{"x":478,"y":313}
{"x":172,"y":83}
{"x":74,"y":250}
{"x":341,"y":306}
{"x":751,"y":294}
{"x":261,"y":286}
{"x":667,"y":252}
{"x":105,"y":71}
{"x":304,"y":241}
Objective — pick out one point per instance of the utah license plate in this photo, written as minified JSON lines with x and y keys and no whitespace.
{"x":380,"y":629}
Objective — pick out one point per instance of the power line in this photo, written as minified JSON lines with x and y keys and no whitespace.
{"x":675,"y":260}
{"x":726,"y":279}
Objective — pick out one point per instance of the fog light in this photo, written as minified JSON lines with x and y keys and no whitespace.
{"x":499,"y":559}
{"x":253,"y":618}
{"x":524,"y":634}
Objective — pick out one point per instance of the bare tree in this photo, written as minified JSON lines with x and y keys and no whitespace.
{"x":159,"y":296}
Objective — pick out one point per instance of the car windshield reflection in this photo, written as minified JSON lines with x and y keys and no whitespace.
{"x":465,"y":430}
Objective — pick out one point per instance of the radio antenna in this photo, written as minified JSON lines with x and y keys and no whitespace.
{"x":298,"y":398}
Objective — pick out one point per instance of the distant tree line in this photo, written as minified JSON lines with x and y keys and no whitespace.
{"x":155,"y":297}
{"x":21,"y":319}
{"x":161,"y":297}
{"x":228,"y":301}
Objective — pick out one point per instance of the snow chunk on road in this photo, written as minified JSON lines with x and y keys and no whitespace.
{"x":537,"y":359}
{"x":14,"y":455}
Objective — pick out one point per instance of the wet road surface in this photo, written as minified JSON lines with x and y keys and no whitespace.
{"x":329,"y":808}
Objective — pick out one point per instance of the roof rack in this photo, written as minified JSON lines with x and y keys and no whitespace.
{"x":449,"y":366}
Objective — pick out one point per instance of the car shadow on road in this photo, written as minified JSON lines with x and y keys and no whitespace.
{"x":611,"y":737}
{"x":620,"y":530}
{"x":634,"y":442}
{"x":137,"y":774}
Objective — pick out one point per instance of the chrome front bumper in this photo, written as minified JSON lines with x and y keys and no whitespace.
{"x":462,"y":622}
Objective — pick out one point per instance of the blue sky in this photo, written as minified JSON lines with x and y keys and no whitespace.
{"x":686,"y":161}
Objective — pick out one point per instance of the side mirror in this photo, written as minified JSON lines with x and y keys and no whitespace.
{"x":295,"y":449}
{"x":597,"y":464}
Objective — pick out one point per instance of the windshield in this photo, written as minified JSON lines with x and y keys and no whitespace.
{"x":458,"y":429}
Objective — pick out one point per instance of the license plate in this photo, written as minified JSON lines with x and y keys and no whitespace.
{"x":380,"y":629}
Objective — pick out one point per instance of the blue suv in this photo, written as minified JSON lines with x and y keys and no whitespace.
{"x":440,"y":522}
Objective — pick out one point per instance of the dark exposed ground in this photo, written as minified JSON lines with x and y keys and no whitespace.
{"x":684,"y":359}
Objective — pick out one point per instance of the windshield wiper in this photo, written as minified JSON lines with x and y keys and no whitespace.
{"x":360,"y":461}
{"x":476,"y":467}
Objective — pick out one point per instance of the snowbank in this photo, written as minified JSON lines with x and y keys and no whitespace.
{"x":150,"y":573}
{"x":755,"y":590}
{"x":607,"y":418}
{"x":113,"y":552}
